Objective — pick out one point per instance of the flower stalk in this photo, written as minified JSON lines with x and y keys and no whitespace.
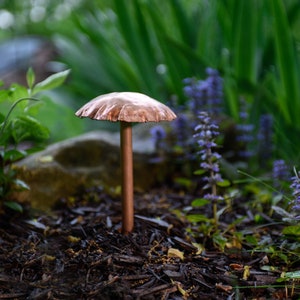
{"x":206,"y":133}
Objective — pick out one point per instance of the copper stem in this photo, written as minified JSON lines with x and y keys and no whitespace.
{"x":127,"y":177}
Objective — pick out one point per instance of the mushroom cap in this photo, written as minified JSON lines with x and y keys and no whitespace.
{"x":127,"y":107}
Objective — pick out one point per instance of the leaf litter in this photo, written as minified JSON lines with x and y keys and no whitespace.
{"x":78,"y":252}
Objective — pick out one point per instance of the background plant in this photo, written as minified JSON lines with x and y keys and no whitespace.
{"x":21,"y":133}
{"x":150,"y":46}
{"x":151,"y":52}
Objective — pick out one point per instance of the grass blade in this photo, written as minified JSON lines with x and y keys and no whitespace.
{"x":288,"y":89}
{"x":245,"y":51}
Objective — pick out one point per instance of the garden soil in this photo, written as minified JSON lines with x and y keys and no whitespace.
{"x":78,"y":252}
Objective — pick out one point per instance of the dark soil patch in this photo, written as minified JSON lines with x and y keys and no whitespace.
{"x":78,"y":252}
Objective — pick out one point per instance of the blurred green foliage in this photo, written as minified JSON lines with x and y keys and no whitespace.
{"x":21,"y":133}
{"x":150,"y":46}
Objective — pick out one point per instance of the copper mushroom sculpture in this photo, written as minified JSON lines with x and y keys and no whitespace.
{"x":126,"y":107}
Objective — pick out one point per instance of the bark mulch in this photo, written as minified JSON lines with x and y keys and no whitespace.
{"x":78,"y":252}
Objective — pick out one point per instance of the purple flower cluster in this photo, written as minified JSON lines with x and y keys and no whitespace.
{"x":265,"y":138}
{"x":205,"y":94}
{"x":181,"y":128}
{"x":295,"y":186}
{"x":206,"y":133}
{"x":244,"y":132}
{"x":158,"y":135}
{"x":280,"y":172}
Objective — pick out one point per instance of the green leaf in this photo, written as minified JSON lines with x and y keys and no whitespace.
{"x":2,"y":118}
{"x":184,"y":24}
{"x":291,"y":275}
{"x":196,"y":218}
{"x":292,"y":230}
{"x":14,"y":154}
{"x":200,"y":202}
{"x":135,"y":32}
{"x":30,"y":77}
{"x":288,"y":69}
{"x":199,"y":172}
{"x":246,"y":39}
{"x":14,"y":206}
{"x":51,"y":82}
{"x":3,"y":95}
{"x":224,"y":183}
{"x":17,"y":92}
{"x":220,"y":240}
{"x":251,"y":240}
{"x":28,"y":128}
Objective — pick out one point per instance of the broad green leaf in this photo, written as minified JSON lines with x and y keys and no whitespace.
{"x":28,"y":128}
{"x":223,"y":183}
{"x":199,"y":202}
{"x":51,"y":82}
{"x":3,"y":95}
{"x":14,"y":155}
{"x":17,"y":92}
{"x":200,"y":172}
{"x":292,"y":230}
{"x":291,"y":275}
{"x":195,"y":218}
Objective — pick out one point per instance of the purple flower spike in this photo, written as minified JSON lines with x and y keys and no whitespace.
{"x":280,"y":172}
{"x":295,"y":186}
{"x":181,"y":129}
{"x":206,"y":133}
{"x":158,"y":135}
{"x":205,"y":94}
{"x":265,"y":138}
{"x":244,"y":132}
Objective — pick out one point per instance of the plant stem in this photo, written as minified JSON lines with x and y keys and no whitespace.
{"x":215,"y":205}
{"x":127,"y":177}
{"x":213,"y":188}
